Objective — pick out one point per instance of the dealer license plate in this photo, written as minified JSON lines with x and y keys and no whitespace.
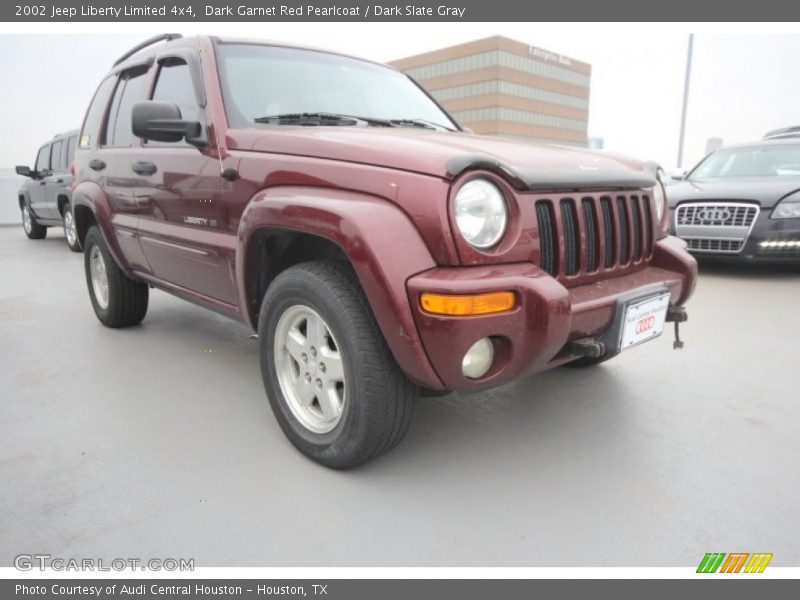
{"x":644,"y":320}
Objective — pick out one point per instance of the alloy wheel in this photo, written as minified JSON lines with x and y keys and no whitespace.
{"x":310,"y":369}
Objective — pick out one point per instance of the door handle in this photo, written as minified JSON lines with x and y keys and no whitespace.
{"x":144,"y":168}
{"x":96,"y":164}
{"x":42,"y":182}
{"x":59,"y":180}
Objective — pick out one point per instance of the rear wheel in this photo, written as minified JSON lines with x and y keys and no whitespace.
{"x":33,"y":230}
{"x":70,"y":232}
{"x":332,"y":382}
{"x":118,"y":300}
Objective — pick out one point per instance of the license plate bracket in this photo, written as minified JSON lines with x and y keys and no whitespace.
{"x":643,"y":320}
{"x":611,"y":338}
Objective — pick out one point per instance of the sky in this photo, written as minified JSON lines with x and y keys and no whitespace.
{"x":742,"y":84}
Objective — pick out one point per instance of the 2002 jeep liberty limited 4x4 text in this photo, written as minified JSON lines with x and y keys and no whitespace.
{"x":377,"y":248}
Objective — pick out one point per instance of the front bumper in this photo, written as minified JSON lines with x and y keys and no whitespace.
{"x":534,"y":336}
{"x":772,"y":240}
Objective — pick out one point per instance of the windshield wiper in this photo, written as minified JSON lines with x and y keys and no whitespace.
{"x":307,"y":118}
{"x":326,"y":118}
{"x":420,"y":123}
{"x":320,"y":118}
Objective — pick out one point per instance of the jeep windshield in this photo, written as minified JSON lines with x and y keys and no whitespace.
{"x":274,"y":86}
{"x":750,"y":161}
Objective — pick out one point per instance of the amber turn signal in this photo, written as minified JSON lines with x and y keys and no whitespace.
{"x":473,"y":304}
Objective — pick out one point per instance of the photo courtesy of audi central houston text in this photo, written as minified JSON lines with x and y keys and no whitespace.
{"x":280,"y":200}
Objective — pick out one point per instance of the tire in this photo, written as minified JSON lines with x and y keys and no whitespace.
{"x":70,"y":232}
{"x":118,"y":300}
{"x":368,"y":408}
{"x":33,"y":230}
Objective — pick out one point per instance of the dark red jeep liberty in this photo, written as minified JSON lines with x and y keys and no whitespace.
{"x":378,"y":249}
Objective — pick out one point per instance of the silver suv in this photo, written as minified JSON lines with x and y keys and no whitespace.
{"x":45,"y":200}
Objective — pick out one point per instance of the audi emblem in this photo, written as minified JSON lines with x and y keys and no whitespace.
{"x":713,"y":215}
{"x":645,"y":324}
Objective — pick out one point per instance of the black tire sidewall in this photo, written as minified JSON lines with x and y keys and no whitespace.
{"x":327,"y":446}
{"x":37,"y":231}
{"x":127,"y":298}
{"x":76,"y":247}
{"x":95,"y":238}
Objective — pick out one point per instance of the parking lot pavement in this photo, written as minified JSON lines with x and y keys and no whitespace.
{"x":158,"y":441}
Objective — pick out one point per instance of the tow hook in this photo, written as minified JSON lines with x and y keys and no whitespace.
{"x":677,"y":315}
{"x":588,"y":347}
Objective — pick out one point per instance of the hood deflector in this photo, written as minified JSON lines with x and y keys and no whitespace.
{"x":525,"y":179}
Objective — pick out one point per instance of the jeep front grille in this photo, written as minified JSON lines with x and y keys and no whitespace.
{"x":576,"y":235}
{"x":715,"y":227}
{"x":570,"y":236}
{"x":547,"y":243}
{"x":590,"y":219}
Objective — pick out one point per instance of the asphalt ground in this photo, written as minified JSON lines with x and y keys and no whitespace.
{"x":158,"y":441}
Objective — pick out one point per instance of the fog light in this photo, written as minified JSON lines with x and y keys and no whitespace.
{"x":478,"y":359}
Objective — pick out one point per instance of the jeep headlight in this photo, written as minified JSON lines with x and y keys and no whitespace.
{"x":481,"y":213}
{"x":659,"y":199}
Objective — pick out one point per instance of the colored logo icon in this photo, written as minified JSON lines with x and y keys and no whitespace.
{"x":735,"y":562}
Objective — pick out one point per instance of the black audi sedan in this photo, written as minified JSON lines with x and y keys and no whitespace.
{"x":742,"y":202}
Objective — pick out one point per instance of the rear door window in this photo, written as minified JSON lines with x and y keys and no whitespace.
{"x":96,"y":114}
{"x":55,"y":155}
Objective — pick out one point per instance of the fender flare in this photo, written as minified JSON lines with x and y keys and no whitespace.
{"x":381,"y":243}
{"x":25,"y":198}
{"x":89,"y":195}
{"x":63,"y":192}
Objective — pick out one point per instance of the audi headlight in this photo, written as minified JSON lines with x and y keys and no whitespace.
{"x":481,"y":213}
{"x":787,"y":210}
{"x":659,"y":199}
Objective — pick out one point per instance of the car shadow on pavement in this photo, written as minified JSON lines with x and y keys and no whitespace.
{"x":550,"y":417}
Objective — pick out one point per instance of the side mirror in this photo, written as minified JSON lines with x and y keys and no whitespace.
{"x":161,"y":122}
{"x":24,"y":171}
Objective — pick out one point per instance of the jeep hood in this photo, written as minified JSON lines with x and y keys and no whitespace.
{"x":448,"y":154}
{"x":767,"y":191}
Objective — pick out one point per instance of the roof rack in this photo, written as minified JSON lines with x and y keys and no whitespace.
{"x":165,"y":37}
{"x":783,"y":132}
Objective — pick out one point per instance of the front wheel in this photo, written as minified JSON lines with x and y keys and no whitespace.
{"x":332,"y":382}
{"x":70,"y":232}
{"x":33,"y":230}
{"x":118,"y":300}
